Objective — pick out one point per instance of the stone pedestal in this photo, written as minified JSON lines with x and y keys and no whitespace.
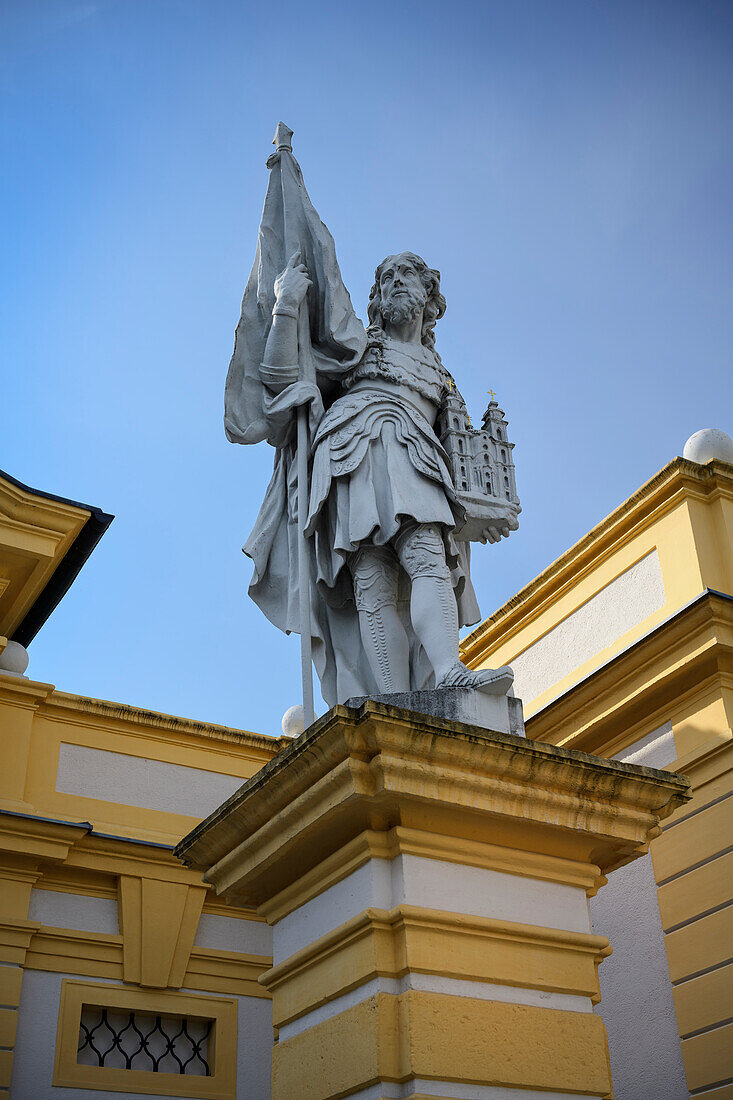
{"x":427,"y":883}
{"x":500,"y":713}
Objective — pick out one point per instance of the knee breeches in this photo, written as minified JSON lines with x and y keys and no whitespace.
{"x":419,"y":549}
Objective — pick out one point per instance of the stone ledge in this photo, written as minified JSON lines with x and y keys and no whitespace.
{"x":500,"y":713}
{"x":381,"y":766}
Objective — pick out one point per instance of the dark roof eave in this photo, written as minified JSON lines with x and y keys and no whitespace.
{"x":68,"y":568}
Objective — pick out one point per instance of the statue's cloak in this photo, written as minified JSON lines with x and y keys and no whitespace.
{"x":253,"y":413}
{"x":337,"y":337}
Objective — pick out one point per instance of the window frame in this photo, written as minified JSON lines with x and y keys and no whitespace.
{"x":221,"y":1053}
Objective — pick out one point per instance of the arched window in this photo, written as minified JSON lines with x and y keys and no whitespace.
{"x":498,"y":434}
{"x":455,"y":421}
{"x":460,"y":445}
{"x":503,"y":455}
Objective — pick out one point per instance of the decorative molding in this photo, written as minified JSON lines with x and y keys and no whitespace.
{"x":642,"y":686}
{"x":221,"y":1085}
{"x":158,"y":921}
{"x":15,"y":938}
{"x":353,"y":771}
{"x":69,"y":951}
{"x":412,"y":939}
{"x":38,"y":531}
{"x":37,"y":838}
{"x":98,"y":955}
{"x":675,"y":482}
{"x":102,"y":714}
{"x":232,"y":972}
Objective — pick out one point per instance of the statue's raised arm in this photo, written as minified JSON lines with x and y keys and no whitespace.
{"x":398,"y":483}
{"x":331,"y":336}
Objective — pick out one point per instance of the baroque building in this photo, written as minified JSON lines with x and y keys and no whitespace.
{"x":481,"y":458}
{"x":382,"y":913}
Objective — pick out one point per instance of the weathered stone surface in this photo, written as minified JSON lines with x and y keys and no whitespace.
{"x":502,"y":713}
{"x":357,"y":769}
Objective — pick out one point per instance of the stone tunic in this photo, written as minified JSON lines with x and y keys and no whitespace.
{"x":377,"y":464}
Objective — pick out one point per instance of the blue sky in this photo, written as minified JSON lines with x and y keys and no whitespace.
{"x":567,"y":164}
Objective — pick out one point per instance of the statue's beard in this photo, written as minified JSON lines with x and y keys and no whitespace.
{"x":400,"y":309}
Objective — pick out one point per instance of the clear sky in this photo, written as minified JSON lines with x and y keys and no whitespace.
{"x":567,"y":164}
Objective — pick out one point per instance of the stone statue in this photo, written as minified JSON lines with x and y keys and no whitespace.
{"x":387,"y":529}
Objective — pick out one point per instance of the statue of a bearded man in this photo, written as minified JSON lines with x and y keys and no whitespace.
{"x":390,"y":582}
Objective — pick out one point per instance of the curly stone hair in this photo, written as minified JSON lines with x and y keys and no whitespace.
{"x":434,"y":306}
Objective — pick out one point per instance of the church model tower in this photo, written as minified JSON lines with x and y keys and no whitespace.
{"x":481,"y":458}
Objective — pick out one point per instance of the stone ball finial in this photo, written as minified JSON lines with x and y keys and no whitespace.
{"x":293,"y":721}
{"x":13,"y":659}
{"x":707,"y":444}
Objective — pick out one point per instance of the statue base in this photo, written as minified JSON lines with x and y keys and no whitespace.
{"x":501,"y":713}
{"x":427,"y":886}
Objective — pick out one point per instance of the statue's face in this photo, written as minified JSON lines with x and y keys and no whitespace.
{"x":401,"y":290}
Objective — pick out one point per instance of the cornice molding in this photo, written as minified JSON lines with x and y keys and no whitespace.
{"x":672,"y":485}
{"x":37,"y":838}
{"x":663,"y":668}
{"x":100,"y":955}
{"x":413,"y":939}
{"x":356,"y":770}
{"x":110,"y":715}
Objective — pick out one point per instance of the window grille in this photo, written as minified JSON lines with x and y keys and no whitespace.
{"x":144,"y":1041}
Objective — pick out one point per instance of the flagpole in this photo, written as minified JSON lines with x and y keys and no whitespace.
{"x":304,"y":580}
{"x":282,"y":143}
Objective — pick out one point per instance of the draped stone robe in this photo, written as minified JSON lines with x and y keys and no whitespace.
{"x":376,"y":464}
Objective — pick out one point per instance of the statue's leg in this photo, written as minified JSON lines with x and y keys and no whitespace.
{"x":375,"y":573}
{"x":434,"y":612}
{"x":433,"y":607}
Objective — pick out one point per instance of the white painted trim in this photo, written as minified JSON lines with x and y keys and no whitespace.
{"x":233,"y":934}
{"x":137,"y":781}
{"x":390,"y":1091}
{"x":433,"y":983}
{"x":656,"y":750}
{"x":81,"y":912}
{"x":587,"y":632}
{"x":432,"y":884}
{"x":646,"y":1056}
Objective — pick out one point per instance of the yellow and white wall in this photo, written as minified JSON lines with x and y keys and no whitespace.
{"x":623,"y":647}
{"x":95,"y":909}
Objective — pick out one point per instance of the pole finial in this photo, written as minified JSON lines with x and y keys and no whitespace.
{"x":282,"y":138}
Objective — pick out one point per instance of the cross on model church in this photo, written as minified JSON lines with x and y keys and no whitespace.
{"x":492,"y":394}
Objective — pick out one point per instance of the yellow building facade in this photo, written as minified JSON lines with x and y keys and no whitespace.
{"x":110,"y":943}
{"x":623,"y":648}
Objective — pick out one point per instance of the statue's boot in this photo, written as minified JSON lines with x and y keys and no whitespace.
{"x":492,"y":681}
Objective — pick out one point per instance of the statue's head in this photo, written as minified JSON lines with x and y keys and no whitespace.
{"x":404,"y":287}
